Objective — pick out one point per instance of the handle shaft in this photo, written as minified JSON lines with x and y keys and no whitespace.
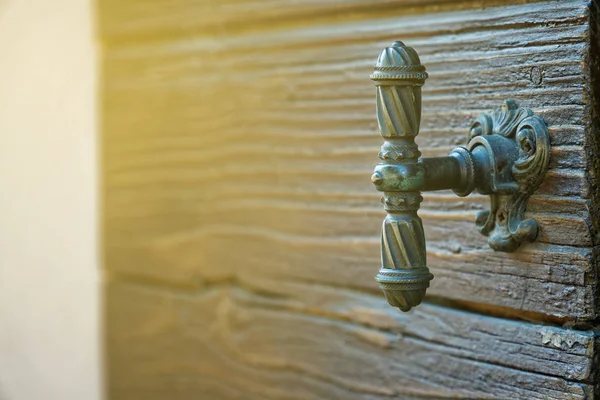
{"x":398,"y":76}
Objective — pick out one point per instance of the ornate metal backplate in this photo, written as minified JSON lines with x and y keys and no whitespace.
{"x":518,"y":151}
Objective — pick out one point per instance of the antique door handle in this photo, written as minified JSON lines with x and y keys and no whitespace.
{"x":506,"y":157}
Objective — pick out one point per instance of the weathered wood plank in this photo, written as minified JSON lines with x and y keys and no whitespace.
{"x":553,"y":280}
{"x":440,"y":200}
{"x":314,"y":218}
{"x":311,"y":176}
{"x":315,"y":342}
{"x":123,"y":19}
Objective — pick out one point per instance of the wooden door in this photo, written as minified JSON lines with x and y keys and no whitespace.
{"x":241,"y":229}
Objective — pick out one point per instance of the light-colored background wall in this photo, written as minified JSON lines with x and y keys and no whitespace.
{"x":49,"y":309}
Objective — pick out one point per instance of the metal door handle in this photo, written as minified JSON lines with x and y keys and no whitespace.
{"x":506,"y":157}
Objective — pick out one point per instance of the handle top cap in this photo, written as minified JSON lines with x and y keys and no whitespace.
{"x":401,"y":64}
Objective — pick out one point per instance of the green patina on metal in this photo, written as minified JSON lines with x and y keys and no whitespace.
{"x":506,"y":157}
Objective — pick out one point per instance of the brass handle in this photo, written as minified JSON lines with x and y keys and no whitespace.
{"x":506,"y":157}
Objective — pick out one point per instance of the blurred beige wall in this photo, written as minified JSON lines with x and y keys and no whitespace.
{"x":48,"y":196}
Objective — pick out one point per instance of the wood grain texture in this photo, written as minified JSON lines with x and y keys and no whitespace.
{"x":167,"y":18}
{"x":241,"y":230}
{"x":315,"y":342}
{"x":266,"y":143}
{"x":555,"y":283}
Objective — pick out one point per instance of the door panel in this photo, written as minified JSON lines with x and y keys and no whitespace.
{"x":241,"y":224}
{"x":228,"y":342}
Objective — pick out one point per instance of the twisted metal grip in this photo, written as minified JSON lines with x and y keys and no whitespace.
{"x":398,"y":76}
{"x":506,"y":157}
